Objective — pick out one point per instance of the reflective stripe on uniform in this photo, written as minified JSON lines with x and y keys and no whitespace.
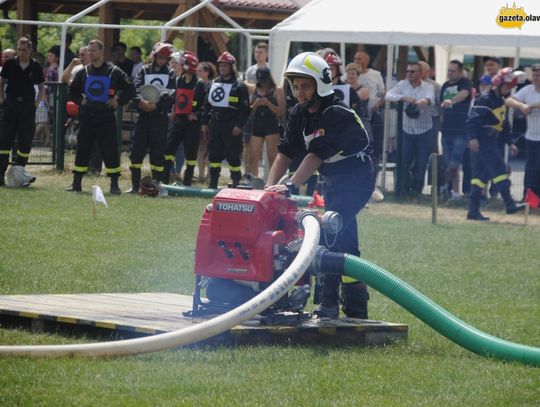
{"x":80,"y":169}
{"x":136,"y":166}
{"x":191,"y":162}
{"x":347,"y":279}
{"x":215,"y":165}
{"x":478,"y":183}
{"x":5,"y":152}
{"x":239,"y":168}
{"x":158,"y":168}
{"x":113,"y":170}
{"x":21,"y":154}
{"x":169,"y":157}
{"x":233,"y":99}
{"x":500,"y":178}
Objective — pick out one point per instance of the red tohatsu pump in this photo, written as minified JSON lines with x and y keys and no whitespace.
{"x":246,"y":239}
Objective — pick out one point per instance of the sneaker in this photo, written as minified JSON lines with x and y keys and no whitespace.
{"x":133,"y":191}
{"x":516,"y":207}
{"x":477,"y":216}
{"x":455,"y":196}
{"x":377,"y":195}
{"x":29,"y":178}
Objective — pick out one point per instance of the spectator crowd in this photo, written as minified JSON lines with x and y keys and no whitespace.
{"x":198,"y":115}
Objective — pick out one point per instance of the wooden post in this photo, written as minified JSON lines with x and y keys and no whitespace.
{"x":434,"y":187}
{"x":402,"y":62}
{"x":27,"y":10}
{"x":108,"y":36}
{"x":216,"y":39}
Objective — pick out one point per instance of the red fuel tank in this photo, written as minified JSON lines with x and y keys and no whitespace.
{"x":241,"y":232}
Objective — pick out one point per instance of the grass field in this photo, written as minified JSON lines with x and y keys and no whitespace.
{"x":486,"y":274}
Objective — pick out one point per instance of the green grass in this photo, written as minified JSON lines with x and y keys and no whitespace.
{"x":486,"y":274}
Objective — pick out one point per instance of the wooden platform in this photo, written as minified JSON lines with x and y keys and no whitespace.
{"x":141,"y":314}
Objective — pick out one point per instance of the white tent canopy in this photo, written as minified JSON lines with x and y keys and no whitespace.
{"x":456,"y":28}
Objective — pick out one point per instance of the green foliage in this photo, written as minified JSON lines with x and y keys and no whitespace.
{"x":485,"y":274}
{"x":49,"y":35}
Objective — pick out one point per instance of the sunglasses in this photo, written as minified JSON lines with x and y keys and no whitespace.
{"x":411,"y":71}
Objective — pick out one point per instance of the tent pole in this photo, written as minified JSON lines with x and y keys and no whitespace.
{"x":389,"y":71}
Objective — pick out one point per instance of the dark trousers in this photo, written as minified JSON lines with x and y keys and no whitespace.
{"x":18,"y":122}
{"x":149,"y":136}
{"x":488,"y":164}
{"x":532,"y":166}
{"x":347,"y":194}
{"x":223,"y":145}
{"x":186,"y":133}
{"x":100,"y":127}
{"x":415,"y":152}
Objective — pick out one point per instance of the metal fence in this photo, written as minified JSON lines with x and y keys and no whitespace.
{"x":53,"y":144}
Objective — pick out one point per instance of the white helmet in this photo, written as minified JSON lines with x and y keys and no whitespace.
{"x":310,"y":64}
{"x":17,"y":177}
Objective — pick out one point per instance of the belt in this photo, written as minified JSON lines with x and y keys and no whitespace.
{"x":222,"y":116}
{"x":18,"y":99}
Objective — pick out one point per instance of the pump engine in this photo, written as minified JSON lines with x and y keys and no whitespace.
{"x":246,"y":239}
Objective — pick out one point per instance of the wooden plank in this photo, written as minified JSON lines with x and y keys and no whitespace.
{"x":152,"y":313}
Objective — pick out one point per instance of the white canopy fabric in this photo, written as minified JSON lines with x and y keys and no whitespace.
{"x":456,"y":27}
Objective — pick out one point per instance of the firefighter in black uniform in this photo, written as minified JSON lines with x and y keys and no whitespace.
{"x":338,"y":146}
{"x":486,"y":127}
{"x":19,"y":102}
{"x":98,"y":88}
{"x":226,"y":111}
{"x":189,"y":99}
{"x":151,"y":128}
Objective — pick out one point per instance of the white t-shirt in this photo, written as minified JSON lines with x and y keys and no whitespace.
{"x":373,"y":80}
{"x":530,"y":96}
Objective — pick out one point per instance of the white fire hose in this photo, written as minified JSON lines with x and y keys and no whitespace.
{"x":197,"y":332}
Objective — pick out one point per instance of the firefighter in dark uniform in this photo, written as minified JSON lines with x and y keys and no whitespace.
{"x":226,"y":110}
{"x":189,"y":99}
{"x":338,"y":146}
{"x":19,"y":102}
{"x":98,"y":89}
{"x":151,"y":127}
{"x":486,"y":127}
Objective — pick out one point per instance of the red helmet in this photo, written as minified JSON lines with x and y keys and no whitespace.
{"x":72,"y":108}
{"x":227,"y":57}
{"x":191,"y":61}
{"x":332,"y":59}
{"x":509,"y":77}
{"x":163,"y":49}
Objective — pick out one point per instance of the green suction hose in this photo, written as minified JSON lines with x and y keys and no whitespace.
{"x":437,"y":317}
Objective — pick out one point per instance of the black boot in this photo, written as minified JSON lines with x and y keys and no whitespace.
{"x":135,"y":181}
{"x":511,"y":205}
{"x":355,"y":298}
{"x":329,"y":306}
{"x":188,"y":175}
{"x":236,"y":176}
{"x":76,"y":185}
{"x":3,"y":167}
{"x":166,"y":177}
{"x":158,"y":175}
{"x":214,"y":177}
{"x":115,"y":189}
{"x":474,"y":204}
